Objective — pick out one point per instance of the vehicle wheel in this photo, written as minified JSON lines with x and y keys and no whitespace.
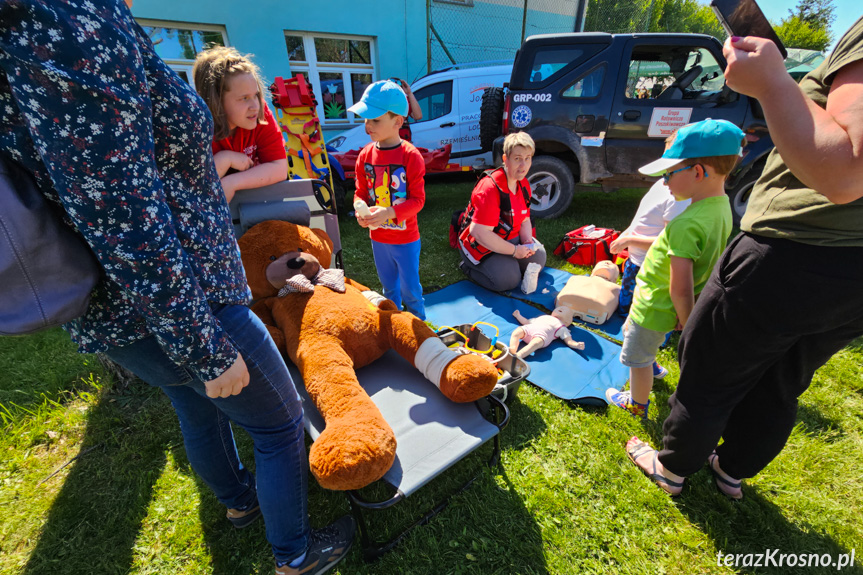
{"x":739,"y":194}
{"x":490,"y":117}
{"x":552,"y":185}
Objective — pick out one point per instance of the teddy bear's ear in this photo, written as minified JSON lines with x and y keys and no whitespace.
{"x":258,"y":246}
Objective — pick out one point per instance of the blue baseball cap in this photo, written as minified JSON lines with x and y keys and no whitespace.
{"x":699,"y":140}
{"x":379,"y":98}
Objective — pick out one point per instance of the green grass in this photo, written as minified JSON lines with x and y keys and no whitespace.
{"x":565,"y":500}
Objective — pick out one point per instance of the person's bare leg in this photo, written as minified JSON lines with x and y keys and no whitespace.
{"x":640,"y":383}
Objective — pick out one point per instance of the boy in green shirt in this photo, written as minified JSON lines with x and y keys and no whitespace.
{"x":676,"y":268}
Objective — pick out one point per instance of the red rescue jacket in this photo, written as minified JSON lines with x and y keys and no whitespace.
{"x":475,"y":251}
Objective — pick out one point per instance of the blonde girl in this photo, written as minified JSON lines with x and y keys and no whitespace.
{"x":247,"y":145}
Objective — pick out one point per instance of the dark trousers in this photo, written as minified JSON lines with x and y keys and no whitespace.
{"x":772,"y":313}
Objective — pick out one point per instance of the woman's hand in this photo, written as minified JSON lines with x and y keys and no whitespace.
{"x":755,"y":66}
{"x":522,"y":252}
{"x":231,"y":382}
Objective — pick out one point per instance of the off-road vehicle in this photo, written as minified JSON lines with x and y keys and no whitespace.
{"x":599,"y":106}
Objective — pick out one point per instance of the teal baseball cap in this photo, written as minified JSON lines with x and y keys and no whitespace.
{"x":379,"y":98}
{"x":698,"y":140}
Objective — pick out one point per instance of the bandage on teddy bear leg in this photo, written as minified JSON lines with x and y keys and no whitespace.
{"x":461,"y":378}
{"x":357,"y":447}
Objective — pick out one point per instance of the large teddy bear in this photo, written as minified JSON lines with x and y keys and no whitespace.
{"x":329,"y":329}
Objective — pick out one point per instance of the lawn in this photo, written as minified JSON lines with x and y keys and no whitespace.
{"x":94,"y":478}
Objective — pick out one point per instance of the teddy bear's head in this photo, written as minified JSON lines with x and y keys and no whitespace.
{"x":290,"y":249}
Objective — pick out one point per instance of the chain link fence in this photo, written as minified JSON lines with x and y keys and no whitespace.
{"x":468,"y":31}
{"x":618,"y":17}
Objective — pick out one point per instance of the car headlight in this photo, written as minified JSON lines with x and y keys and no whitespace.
{"x":337,"y":142}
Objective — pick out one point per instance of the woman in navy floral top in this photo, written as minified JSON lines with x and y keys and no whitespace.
{"x":124,"y":146}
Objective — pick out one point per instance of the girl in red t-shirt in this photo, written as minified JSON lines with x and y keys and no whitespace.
{"x":247,"y":145}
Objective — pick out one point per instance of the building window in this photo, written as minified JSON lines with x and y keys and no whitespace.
{"x":337,"y":67}
{"x":459,"y":2}
{"x":178,"y":44}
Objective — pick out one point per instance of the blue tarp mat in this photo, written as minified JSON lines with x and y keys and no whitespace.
{"x":550,"y":282}
{"x":580,"y":376}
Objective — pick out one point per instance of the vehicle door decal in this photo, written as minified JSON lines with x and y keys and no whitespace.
{"x":664,"y":121}
{"x":521,"y":116}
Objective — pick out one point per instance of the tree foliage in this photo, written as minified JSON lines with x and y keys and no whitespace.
{"x":798,"y":33}
{"x":807,"y":26}
{"x":685,"y":16}
{"x":819,"y":14}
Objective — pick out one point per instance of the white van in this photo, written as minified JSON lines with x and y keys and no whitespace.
{"x":450,"y":101}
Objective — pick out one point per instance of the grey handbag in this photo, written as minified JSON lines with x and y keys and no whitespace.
{"x":47,"y":271}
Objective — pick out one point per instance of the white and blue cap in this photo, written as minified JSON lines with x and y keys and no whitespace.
{"x":699,"y":140}
{"x":379,"y":98}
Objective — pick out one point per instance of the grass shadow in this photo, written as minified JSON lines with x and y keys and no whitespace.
{"x":525,"y":424}
{"x":815,"y":422}
{"x":741,"y":528}
{"x":29,"y":381}
{"x":96,"y":517}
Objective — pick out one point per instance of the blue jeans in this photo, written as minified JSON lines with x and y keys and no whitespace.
{"x":399,"y":271}
{"x":270,"y":411}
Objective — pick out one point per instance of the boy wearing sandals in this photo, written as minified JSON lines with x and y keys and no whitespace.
{"x":681,"y":259}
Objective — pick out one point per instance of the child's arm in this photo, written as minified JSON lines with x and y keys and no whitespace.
{"x":260,"y":175}
{"x":624,"y":242}
{"x":681,"y":288}
{"x":227,"y":159}
{"x":361,"y":191}
{"x":273,"y":166}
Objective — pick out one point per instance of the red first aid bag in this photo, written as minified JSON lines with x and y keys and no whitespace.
{"x":586,"y":245}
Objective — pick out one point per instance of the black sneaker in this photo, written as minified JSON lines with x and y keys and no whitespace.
{"x":327,"y":546}
{"x":240,"y":519}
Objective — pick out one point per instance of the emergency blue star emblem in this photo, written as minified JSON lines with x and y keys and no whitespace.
{"x":521,"y":116}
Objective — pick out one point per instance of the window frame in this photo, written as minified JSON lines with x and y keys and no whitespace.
{"x":313,"y":69}
{"x":427,"y":117}
{"x":182,"y":64}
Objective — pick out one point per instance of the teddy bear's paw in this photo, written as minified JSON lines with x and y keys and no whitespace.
{"x":351,"y":454}
{"x":468,"y":378}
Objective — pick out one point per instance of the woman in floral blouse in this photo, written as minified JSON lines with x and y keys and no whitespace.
{"x":124,"y":146}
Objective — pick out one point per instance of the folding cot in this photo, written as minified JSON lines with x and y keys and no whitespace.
{"x":432,"y":432}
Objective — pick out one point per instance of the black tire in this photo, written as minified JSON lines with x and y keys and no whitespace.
{"x":552,"y":185}
{"x":490,"y":117}
{"x":738,"y":195}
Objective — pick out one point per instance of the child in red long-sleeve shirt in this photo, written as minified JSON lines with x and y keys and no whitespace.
{"x":389,"y":179}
